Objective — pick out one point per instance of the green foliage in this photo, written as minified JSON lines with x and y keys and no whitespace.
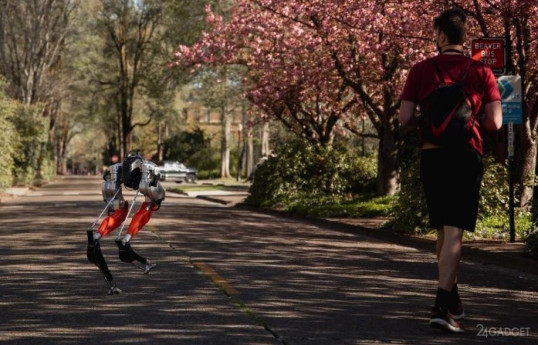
{"x":493,"y":217}
{"x":48,"y":170}
{"x":410,"y":211}
{"x":532,"y":244}
{"x":32,"y":130}
{"x":206,"y":160}
{"x":301,"y":175}
{"x":494,"y":189}
{"x":8,"y":139}
{"x":24,"y":135}
{"x":497,"y":226}
{"x":182,"y":146}
{"x":364,"y":207}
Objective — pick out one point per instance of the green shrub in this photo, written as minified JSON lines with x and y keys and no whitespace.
{"x":493,"y":216}
{"x":8,"y":139}
{"x":182,"y":146}
{"x":498,"y":226}
{"x":364,"y":207}
{"x":494,"y":190}
{"x":32,"y":131}
{"x":411,"y":215}
{"x":410,"y":211}
{"x":301,"y":175}
{"x":532,"y":244}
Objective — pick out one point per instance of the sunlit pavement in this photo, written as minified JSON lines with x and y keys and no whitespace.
{"x":233,"y":276}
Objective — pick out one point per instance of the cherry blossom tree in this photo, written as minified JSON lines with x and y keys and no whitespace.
{"x":319,"y":65}
{"x":316,"y":66}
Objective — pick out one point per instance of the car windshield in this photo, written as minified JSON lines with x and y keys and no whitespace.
{"x":174,"y":165}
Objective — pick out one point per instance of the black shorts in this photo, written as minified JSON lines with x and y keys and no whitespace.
{"x":451,"y":181}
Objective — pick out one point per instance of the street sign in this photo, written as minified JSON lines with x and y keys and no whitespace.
{"x":511,"y":98}
{"x":491,"y":52}
{"x":511,"y":102}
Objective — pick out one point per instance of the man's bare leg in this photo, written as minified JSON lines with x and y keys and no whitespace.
{"x":449,"y":256}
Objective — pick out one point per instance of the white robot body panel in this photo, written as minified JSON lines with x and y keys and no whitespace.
{"x":111,"y":185}
{"x":149,"y":183}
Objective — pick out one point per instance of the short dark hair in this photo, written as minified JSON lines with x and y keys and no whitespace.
{"x":452,"y":23}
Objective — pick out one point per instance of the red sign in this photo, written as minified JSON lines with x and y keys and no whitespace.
{"x":491,"y":52}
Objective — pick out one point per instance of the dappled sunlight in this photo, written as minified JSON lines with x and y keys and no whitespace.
{"x":51,"y":294}
{"x":371,"y":281}
{"x":230,"y":276}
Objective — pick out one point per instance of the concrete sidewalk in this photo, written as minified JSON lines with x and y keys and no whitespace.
{"x":512,"y":256}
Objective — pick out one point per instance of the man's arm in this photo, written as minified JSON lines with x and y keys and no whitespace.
{"x":407,"y":110}
{"x":494,"y":117}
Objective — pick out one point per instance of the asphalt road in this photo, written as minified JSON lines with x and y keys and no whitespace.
{"x":232,"y":276}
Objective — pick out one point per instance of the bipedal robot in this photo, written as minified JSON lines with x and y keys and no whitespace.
{"x":137,"y":174}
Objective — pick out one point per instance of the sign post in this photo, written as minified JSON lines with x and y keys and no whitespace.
{"x":493,"y":52}
{"x":512,"y":108}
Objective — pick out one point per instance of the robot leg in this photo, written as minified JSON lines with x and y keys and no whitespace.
{"x":127,"y":254}
{"x":141,"y":218}
{"x":95,"y":256}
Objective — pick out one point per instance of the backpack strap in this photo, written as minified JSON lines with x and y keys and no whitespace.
{"x":438,"y":72}
{"x":462,"y":76}
{"x":460,"y":79}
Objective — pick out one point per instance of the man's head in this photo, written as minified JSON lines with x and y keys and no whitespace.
{"x":451,"y":24}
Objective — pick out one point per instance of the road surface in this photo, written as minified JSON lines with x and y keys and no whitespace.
{"x":232,"y":276}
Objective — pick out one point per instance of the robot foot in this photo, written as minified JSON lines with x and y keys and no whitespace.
{"x":127,"y":254}
{"x":145,"y":267}
{"x":148,"y":267}
{"x":114,"y":289}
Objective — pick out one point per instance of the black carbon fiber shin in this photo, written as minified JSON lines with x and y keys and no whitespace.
{"x":95,"y":256}
{"x":127,"y":254}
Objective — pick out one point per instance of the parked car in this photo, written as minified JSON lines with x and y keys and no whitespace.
{"x":175,"y":171}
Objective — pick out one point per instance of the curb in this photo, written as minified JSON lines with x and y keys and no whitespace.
{"x":227,"y":199}
{"x":13,"y":192}
{"x":509,"y":259}
{"x":213,"y":199}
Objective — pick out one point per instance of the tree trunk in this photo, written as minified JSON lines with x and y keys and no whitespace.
{"x":250,"y":154}
{"x":387,"y":163}
{"x":266,"y":150}
{"x":61,"y":166}
{"x":527,"y":164}
{"x":225,"y":144}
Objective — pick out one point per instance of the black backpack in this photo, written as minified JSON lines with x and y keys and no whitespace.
{"x":449,"y":121}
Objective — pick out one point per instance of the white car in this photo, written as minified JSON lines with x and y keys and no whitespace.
{"x":175,"y":171}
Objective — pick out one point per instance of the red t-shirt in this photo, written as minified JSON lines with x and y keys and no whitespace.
{"x":479,"y":85}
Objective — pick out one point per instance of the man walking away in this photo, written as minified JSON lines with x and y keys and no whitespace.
{"x":458,"y":98}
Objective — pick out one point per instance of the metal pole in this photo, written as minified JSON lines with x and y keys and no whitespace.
{"x":363,"y":140}
{"x":511,"y":159}
{"x":210,"y":157}
{"x":511,"y":176}
{"x":239,"y":156}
